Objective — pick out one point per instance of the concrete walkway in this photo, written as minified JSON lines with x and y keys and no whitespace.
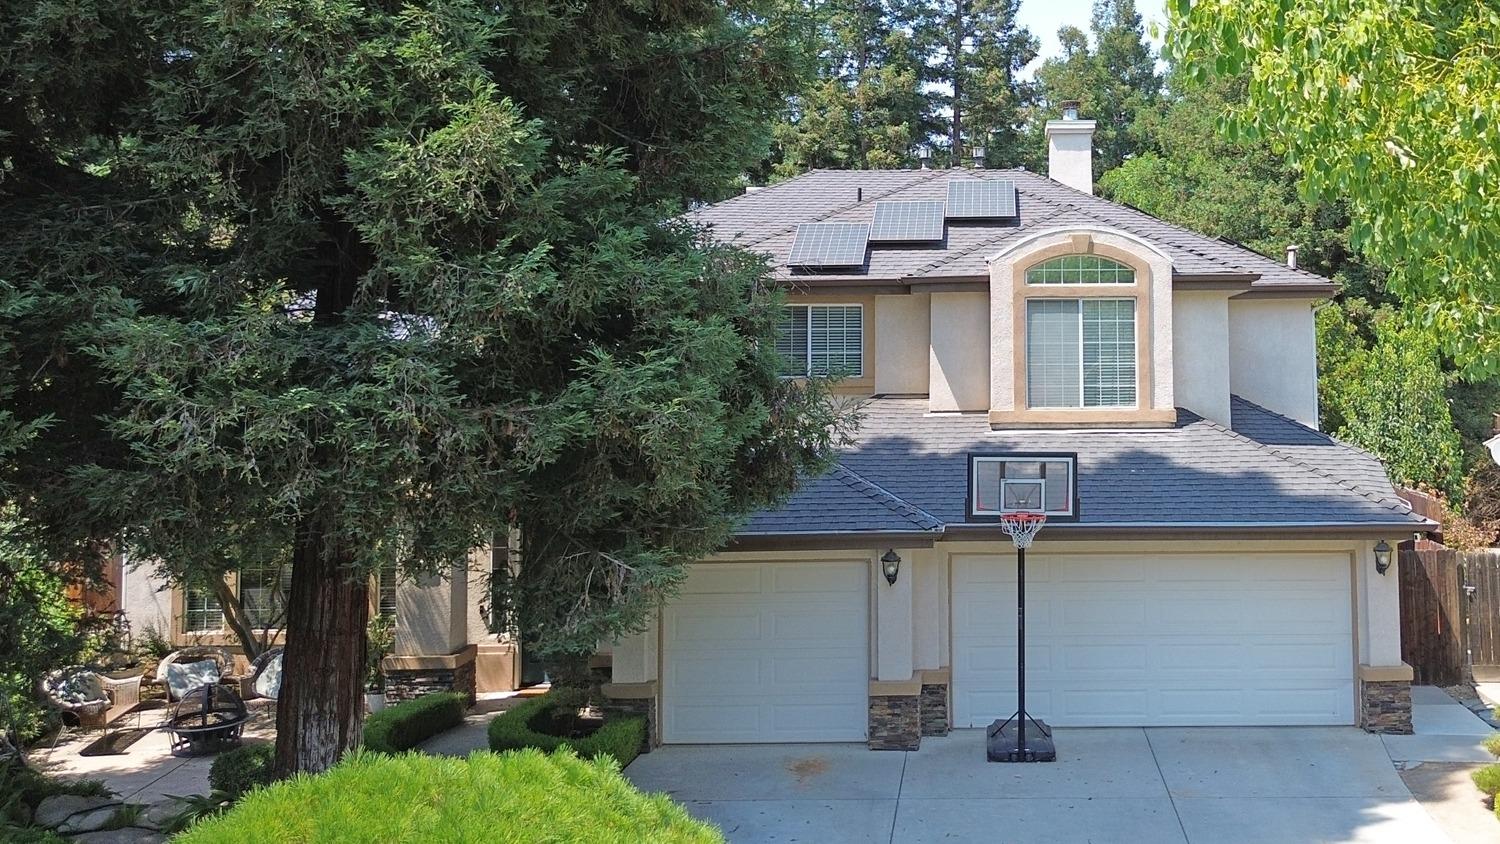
{"x":1225,"y":786}
{"x":147,"y":771}
{"x":1436,"y":762}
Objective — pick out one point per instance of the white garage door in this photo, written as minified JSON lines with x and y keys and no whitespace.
{"x":1172,"y":640}
{"x":767,"y":652}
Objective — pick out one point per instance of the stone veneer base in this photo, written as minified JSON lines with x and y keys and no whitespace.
{"x":1385,"y":706}
{"x":407,"y":683}
{"x":895,"y":722}
{"x":934,"y":709}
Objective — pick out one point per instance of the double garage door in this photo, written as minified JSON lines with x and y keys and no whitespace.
{"x":780,"y":652}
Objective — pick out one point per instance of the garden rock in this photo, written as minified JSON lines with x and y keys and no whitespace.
{"x":53,"y":811}
{"x":88,"y":821}
{"x":128,"y":835}
{"x":160,"y":813}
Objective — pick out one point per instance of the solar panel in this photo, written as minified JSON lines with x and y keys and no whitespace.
{"x":981,"y":199}
{"x":907,"y":221}
{"x":829,"y":245}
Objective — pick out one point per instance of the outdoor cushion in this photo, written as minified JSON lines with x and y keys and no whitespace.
{"x":183,"y":678}
{"x":268,"y":681}
{"x":80,"y":687}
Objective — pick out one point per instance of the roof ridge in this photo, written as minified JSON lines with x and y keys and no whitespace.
{"x":842,"y":208}
{"x":1326,"y":475}
{"x":891,"y":501}
{"x":1181,"y":229}
{"x":1332,"y":440}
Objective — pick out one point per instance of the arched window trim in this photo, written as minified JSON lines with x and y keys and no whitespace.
{"x":1080,"y":268}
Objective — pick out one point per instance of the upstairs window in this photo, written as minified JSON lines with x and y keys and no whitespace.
{"x":1080,"y":269}
{"x":822,"y":340}
{"x":1080,"y":353}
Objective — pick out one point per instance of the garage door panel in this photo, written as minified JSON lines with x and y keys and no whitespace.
{"x":786,"y":662}
{"x":1178,"y":640}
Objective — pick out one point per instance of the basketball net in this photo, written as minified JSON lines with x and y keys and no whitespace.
{"x":1022,"y":527}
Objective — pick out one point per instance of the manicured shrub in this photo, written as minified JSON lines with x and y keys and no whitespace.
{"x":410,"y":797}
{"x":406,"y":725}
{"x":619,"y":738}
{"x":1492,"y":744}
{"x":235,"y":772}
{"x":1488,"y":779}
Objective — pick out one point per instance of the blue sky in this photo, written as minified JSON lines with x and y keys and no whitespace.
{"x":1043,"y":17}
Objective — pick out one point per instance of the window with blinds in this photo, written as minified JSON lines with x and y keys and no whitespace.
{"x":822,"y":340}
{"x":201,"y":611}
{"x":1080,"y":269}
{"x":386,"y":589}
{"x":1080,"y":353}
{"x":263,"y":592}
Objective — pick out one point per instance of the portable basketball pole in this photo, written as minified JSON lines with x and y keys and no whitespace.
{"x":1008,"y":740}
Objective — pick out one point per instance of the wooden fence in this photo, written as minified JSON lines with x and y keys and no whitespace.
{"x":1450,"y":614}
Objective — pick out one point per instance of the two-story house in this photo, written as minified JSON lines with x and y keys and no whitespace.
{"x":1210,"y":557}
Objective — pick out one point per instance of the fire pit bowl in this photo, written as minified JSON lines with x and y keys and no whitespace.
{"x":207,"y":719}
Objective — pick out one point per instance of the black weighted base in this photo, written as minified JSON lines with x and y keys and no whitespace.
{"x":1002,"y":742}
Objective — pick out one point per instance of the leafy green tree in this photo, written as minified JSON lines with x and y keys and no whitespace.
{"x":387,"y":280}
{"x":867,"y":106}
{"x":1386,"y":394}
{"x":983,"y":49}
{"x":1392,"y":106}
{"x":1114,"y":80}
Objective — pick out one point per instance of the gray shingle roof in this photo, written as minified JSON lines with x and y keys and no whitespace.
{"x":1198,"y":473}
{"x":766,"y":222}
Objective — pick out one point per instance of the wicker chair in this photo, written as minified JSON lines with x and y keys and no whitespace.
{"x":220,"y":657}
{"x":92,"y":697}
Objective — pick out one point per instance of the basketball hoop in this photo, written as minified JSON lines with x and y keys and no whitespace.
{"x":1022,"y":527}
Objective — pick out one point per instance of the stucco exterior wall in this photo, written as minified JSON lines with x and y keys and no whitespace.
{"x":1273,"y":358}
{"x":1200,"y":360}
{"x":432,"y":616}
{"x":903,"y":324}
{"x":959,"y":364}
{"x":146,"y":599}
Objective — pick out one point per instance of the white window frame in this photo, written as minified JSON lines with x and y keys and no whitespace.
{"x":1043,"y":458}
{"x":1135,"y":322}
{"x":808,"y":352}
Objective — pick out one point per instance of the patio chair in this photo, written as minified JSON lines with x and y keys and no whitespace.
{"x":184,"y":670}
{"x":265,"y":674}
{"x":92,"y":697}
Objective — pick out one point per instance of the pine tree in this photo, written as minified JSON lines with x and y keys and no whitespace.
{"x":984,"y":51}
{"x":1114,"y":81}
{"x":379,"y":281}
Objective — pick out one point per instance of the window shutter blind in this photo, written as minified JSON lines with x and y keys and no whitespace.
{"x":1052,"y":353}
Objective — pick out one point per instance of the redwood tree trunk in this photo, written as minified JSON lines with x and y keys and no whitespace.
{"x":320,"y":711}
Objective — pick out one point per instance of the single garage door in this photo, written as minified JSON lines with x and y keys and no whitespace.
{"x":767,"y":652}
{"x":1168,"y":640}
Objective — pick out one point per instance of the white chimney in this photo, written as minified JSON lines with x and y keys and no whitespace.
{"x":1070,"y":149}
{"x":1291,"y":255}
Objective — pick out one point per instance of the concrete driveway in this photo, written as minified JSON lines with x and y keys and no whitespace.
{"x":1225,"y":786}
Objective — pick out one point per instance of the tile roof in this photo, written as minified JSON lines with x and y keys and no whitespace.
{"x":766,"y":221}
{"x":1270,"y":470}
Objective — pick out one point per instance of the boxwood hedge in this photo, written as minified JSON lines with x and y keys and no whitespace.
{"x":620,"y":738}
{"x":408,"y":724}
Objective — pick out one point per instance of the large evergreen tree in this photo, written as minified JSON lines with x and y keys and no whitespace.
{"x":383,"y":279}
{"x":983,"y":51}
{"x":1114,"y":79}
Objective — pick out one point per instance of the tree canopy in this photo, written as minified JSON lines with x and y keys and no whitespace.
{"x":1391,"y":107}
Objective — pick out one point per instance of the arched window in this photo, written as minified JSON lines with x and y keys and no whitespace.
{"x":1080,"y":269}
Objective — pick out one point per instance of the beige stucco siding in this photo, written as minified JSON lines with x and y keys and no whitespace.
{"x":959,"y":363}
{"x":903,"y":324}
{"x":1273,"y":357}
{"x":1200,"y":365}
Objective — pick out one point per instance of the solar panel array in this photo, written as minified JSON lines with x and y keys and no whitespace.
{"x":981,"y":199}
{"x":907,"y":222}
{"x":830,"y":245}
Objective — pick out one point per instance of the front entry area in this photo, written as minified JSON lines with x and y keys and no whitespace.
{"x":767,"y":652}
{"x":1157,"y":640}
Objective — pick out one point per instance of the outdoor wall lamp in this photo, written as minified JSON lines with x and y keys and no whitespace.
{"x":1382,"y":557}
{"x":890,"y":565}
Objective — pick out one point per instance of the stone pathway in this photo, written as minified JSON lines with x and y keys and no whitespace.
{"x":472,"y":734}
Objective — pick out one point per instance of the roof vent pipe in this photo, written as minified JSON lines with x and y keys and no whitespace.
{"x":924,"y":155}
{"x":1291,"y":255}
{"x":978,"y":156}
{"x":859,"y":194}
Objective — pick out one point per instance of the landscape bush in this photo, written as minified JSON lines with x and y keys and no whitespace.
{"x":619,"y":738}
{"x":235,"y":772}
{"x":509,"y":798}
{"x":406,"y":725}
